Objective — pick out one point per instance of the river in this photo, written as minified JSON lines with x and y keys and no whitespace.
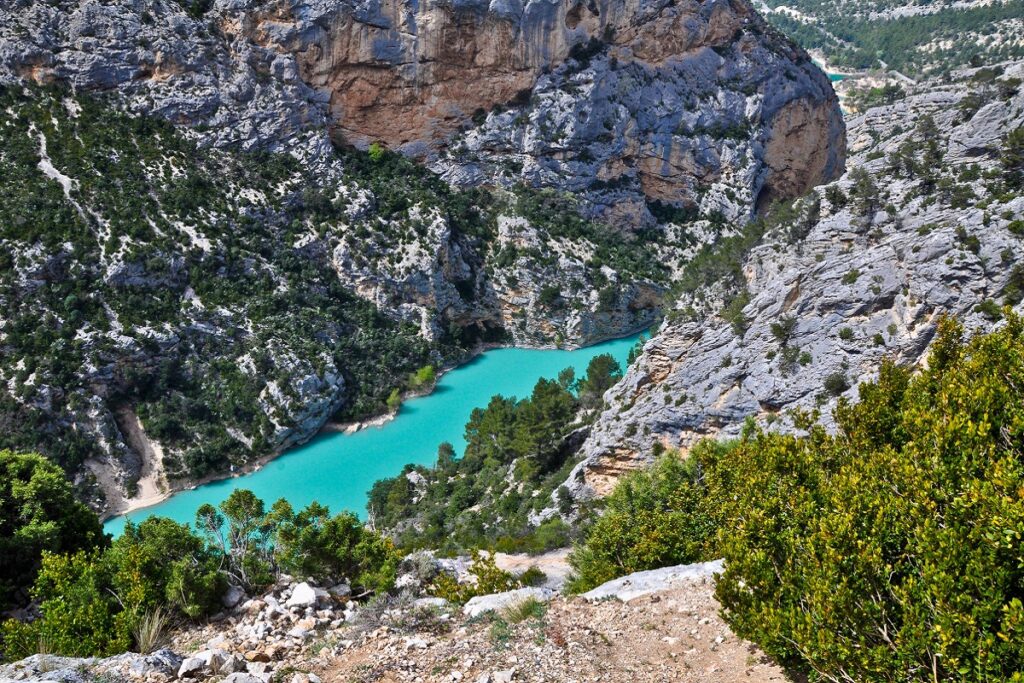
{"x":338,"y":469}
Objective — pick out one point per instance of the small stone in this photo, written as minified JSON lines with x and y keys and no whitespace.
{"x":340,"y":591}
{"x":191,"y":667}
{"x":415,"y":643}
{"x":503,"y":676}
{"x":303,"y":595}
{"x":232,"y":597}
{"x":242,"y":678}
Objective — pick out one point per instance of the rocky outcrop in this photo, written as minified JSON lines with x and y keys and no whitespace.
{"x":670,"y":629}
{"x":639,"y":584}
{"x":498,"y":602}
{"x":661,"y":101}
{"x":883,"y":256}
{"x":598,"y":91}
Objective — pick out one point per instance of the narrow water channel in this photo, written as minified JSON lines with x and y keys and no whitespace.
{"x":338,"y":469}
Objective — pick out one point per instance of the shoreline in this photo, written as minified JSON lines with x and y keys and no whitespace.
{"x":331,"y":427}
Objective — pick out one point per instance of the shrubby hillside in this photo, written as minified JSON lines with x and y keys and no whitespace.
{"x":205,"y":301}
{"x":888,"y":550}
{"x":917,"y":39}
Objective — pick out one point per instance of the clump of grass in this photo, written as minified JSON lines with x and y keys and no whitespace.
{"x":530,"y":608}
{"x":150,"y":630}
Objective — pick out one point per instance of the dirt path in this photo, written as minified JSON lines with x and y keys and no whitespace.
{"x":675,"y":635}
{"x":554,"y":564}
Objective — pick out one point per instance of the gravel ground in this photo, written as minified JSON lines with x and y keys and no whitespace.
{"x":676,"y":635}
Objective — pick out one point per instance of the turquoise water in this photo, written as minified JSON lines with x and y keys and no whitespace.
{"x":836,"y":77}
{"x":339,"y":469}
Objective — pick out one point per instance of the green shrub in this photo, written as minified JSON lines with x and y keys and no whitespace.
{"x":80,"y":616}
{"x":103,"y":601}
{"x":836,"y":383}
{"x":1013,"y":157}
{"x":489,"y":578}
{"x":783,"y":329}
{"x":653,"y":518}
{"x":312,"y":543}
{"x":38,"y":513}
{"x":891,"y":551}
{"x":424,"y":377}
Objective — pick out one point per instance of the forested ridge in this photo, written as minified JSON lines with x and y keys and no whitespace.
{"x":935,"y":40}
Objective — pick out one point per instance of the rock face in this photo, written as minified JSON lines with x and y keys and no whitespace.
{"x":571,"y":92}
{"x":639,"y":584}
{"x":879,"y":261}
{"x":500,"y":601}
{"x":695,"y":103}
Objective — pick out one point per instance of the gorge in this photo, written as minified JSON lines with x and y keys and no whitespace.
{"x":338,"y":469}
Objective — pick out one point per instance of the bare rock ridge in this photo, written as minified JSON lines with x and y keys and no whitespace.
{"x":677,"y":102}
{"x":881,"y":256}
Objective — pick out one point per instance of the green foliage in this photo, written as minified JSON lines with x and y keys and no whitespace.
{"x":38,"y":513}
{"x":530,"y":608}
{"x":1013,"y":157}
{"x":942,"y":40}
{"x":424,"y":377}
{"x":733,"y":312}
{"x":891,"y":551}
{"x":105,"y":600}
{"x":990,"y":309}
{"x":469,"y":502}
{"x":783,"y":329}
{"x":196,"y":8}
{"x":489,"y":578}
{"x":603,"y":372}
{"x":836,"y":383}
{"x":162,"y":563}
{"x":80,"y":617}
{"x":633,"y":254}
{"x":653,"y":518}
{"x":866,"y":98}
{"x":312,"y":543}
{"x":394,"y":401}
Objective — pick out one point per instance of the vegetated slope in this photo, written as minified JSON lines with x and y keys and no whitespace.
{"x":195,"y":286}
{"x":886,"y":549}
{"x":927,"y":222}
{"x":916,"y":39}
{"x":237,"y":299}
{"x":214,"y":293}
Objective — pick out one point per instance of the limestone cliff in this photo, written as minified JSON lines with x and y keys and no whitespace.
{"x":692,"y":103}
{"x":922,"y":227}
{"x":572,"y":93}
